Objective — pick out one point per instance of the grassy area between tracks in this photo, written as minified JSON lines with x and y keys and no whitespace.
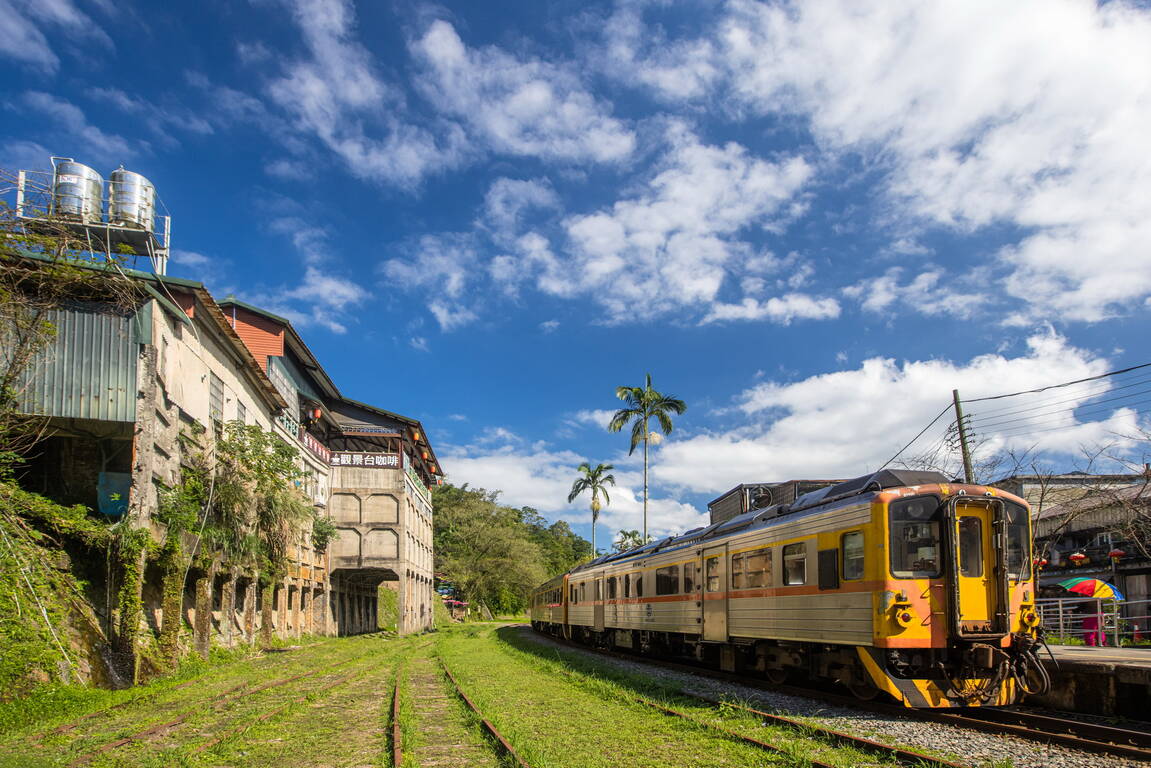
{"x":203,"y":700}
{"x":559,"y":716}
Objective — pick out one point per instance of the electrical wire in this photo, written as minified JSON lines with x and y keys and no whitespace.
{"x":978,"y":422}
{"x":1058,"y":386}
{"x":1044,"y":402}
{"x":1087,"y":412}
{"x":904,"y":448}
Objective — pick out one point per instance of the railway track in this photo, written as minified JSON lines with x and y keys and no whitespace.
{"x":1051,"y":729}
{"x":501,"y":743}
{"x":226,"y":698}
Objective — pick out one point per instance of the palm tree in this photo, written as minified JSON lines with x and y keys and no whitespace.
{"x":594,"y":480}
{"x":643,"y":404}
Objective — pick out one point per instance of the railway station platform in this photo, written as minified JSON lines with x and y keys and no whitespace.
{"x":1102,"y":681}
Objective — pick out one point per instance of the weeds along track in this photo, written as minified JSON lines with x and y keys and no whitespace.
{"x":502,"y":744}
{"x":556,"y":715}
{"x":226,"y":701}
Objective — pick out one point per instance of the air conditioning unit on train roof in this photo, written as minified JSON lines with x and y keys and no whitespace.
{"x":757,"y":496}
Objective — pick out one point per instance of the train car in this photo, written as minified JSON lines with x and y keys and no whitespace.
{"x":898,"y":583}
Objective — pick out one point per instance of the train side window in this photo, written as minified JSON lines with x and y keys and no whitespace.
{"x":599,"y":589}
{"x":737,"y":579}
{"x":626,"y":585}
{"x":795,"y":563}
{"x":583,"y":592}
{"x":915,"y":537}
{"x":667,"y":580}
{"x":853,"y":555}
{"x":638,"y":584}
{"x":611,"y":587}
{"x":712,"y":564}
{"x":970,"y":546}
{"x":758,"y":566}
{"x":572,"y":593}
{"x":1018,"y":542}
{"x":690,"y":584}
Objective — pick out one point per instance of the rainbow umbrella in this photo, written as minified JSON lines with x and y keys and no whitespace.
{"x":1089,"y":587}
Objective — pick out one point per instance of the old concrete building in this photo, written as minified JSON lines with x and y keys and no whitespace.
{"x":377,"y":469}
{"x":130,"y":395}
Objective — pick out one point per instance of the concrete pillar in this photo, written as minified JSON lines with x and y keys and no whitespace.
{"x":202,"y":626}
{"x":249,"y":610}
{"x":228,"y":609}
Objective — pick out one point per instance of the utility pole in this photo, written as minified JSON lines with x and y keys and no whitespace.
{"x":968,"y":473}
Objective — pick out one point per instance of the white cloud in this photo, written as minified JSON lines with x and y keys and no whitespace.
{"x":519,"y":106}
{"x":420,"y":343}
{"x":23,"y":38}
{"x":1024,"y":115}
{"x":445,"y":266}
{"x":508,"y":200}
{"x":592,"y":417}
{"x":778,"y":309}
{"x":931,"y":292}
{"x":846,"y":423}
{"x":74,"y":130}
{"x":337,"y":96}
{"x":161,"y":120}
{"x":549,"y":326}
{"x":975,"y":115}
{"x":672,"y":245}
{"x":189,"y":258}
{"x":539,"y":477}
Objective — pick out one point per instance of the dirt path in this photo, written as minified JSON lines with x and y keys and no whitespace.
{"x":444,"y":737}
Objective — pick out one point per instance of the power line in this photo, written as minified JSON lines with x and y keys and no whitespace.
{"x":1047,"y":411}
{"x":1057,"y":386}
{"x":946,"y":408}
{"x":1042,"y":403}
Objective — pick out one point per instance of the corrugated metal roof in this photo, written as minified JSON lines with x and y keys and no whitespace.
{"x":88,"y":371}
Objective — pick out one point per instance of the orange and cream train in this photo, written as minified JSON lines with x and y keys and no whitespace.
{"x":900,"y":583}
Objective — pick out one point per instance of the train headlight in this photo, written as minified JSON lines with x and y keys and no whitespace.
{"x":1030,"y":617}
{"x":904,"y":615}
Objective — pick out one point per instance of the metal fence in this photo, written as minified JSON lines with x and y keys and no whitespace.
{"x":1095,"y":621}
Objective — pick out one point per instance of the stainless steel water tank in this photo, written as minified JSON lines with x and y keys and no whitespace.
{"x":131,"y":200}
{"x":77,"y":191}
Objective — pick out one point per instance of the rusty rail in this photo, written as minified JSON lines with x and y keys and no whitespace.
{"x":491,"y":729}
{"x":215,"y":702}
{"x":397,"y":736}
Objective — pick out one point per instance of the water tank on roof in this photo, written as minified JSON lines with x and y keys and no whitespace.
{"x":77,"y":191}
{"x":131,"y":200}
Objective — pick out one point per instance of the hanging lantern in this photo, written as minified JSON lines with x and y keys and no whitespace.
{"x":1040,"y":562}
{"x":1116,"y":554}
{"x":1078,"y":558}
{"x":424,"y":455}
{"x":416,"y":435}
{"x":315,"y":413}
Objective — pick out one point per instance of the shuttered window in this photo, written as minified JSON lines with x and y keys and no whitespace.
{"x":215,"y":397}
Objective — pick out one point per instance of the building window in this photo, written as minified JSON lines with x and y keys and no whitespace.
{"x":853,"y":555}
{"x":795,"y":564}
{"x":215,"y":397}
{"x":241,"y":413}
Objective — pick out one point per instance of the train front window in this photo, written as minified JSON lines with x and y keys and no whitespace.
{"x":970,"y":546}
{"x":1018,"y":542}
{"x":915,"y":538}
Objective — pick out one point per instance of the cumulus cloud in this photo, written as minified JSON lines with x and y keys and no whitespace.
{"x":846,"y":423}
{"x":336,"y":96}
{"x":541,"y":477}
{"x":518,"y":105}
{"x":976,"y":114}
{"x":778,"y":309}
{"x":931,"y":292}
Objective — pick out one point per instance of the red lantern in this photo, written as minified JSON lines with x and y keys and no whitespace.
{"x":1040,"y":562}
{"x":1078,"y":558}
{"x":1115,"y":554}
{"x":316,"y":413}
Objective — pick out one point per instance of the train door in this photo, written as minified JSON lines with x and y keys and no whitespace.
{"x":715,"y":594}
{"x":978,"y":569}
{"x":597,"y":605}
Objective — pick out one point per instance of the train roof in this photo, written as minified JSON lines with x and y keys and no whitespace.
{"x":874,"y":482}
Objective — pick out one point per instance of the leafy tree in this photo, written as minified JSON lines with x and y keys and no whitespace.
{"x":643,"y":404}
{"x":629,"y":540}
{"x":494,"y":554}
{"x":594,"y":480}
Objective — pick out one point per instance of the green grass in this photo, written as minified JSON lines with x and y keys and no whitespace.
{"x":558,"y":716}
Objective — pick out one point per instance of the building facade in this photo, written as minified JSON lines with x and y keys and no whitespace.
{"x":131,"y":394}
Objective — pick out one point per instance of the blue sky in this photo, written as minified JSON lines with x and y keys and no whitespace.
{"x":810,"y":221}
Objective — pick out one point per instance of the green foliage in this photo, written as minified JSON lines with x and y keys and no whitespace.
{"x":626,"y":540}
{"x":323,"y":532}
{"x":594,"y":480}
{"x":495,"y":554}
{"x":642,"y":405}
